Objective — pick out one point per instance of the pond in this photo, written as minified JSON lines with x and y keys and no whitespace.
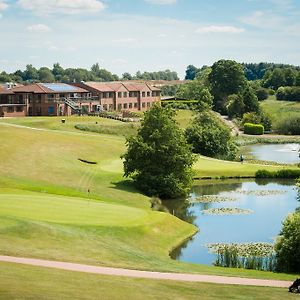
{"x":268,"y":203}
{"x":281,"y":153}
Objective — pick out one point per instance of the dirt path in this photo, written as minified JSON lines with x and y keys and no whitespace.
{"x":144,"y":274}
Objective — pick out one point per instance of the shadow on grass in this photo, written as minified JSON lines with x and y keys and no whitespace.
{"x":126,"y":185}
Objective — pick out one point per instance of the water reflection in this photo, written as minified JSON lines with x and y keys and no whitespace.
{"x":269,"y":210}
{"x":281,"y":153}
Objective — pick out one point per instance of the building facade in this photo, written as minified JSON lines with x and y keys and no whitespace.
{"x":123,"y":96}
{"x":60,"y":99}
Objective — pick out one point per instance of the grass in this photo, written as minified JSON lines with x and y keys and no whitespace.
{"x":46,"y":211}
{"x":27,"y":282}
{"x":280,"y":109}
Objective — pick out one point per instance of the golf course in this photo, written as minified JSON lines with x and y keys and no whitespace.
{"x":63,"y":197}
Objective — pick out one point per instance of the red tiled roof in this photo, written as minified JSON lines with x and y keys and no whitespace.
{"x":99,"y":86}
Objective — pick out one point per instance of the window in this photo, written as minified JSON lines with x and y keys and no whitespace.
{"x":135,"y":105}
{"x":111,"y":107}
{"x":148,"y":94}
{"x":38,"y":111}
{"x":119,"y":106}
{"x":39,"y":98}
{"x":20,"y":108}
{"x":62,"y":95}
{"x":143,"y":104}
{"x":105,"y":106}
{"x":148,"y":104}
{"x":131,"y":94}
{"x":143,"y":94}
{"x":119,"y":94}
{"x":125,"y":105}
{"x":130,"y":105}
{"x":106,"y":95}
{"x":10,"y":109}
{"x":125,"y":94}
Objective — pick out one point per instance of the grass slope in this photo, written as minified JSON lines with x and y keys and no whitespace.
{"x":46,"y":212}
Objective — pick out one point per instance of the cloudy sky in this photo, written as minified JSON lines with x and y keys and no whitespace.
{"x":130,"y":35}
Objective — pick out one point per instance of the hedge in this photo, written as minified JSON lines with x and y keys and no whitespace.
{"x":284,"y":173}
{"x":256,"y":129}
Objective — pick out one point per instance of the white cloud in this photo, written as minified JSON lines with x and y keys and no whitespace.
{"x":262,"y":19}
{"x":42,"y":7}
{"x":39,"y":28}
{"x":219,"y":29}
{"x":3,"y":5}
{"x":161,"y":2}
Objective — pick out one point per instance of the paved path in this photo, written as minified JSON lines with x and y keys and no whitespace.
{"x":144,"y":274}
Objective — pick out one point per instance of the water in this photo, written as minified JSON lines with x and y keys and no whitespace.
{"x":260,"y":226}
{"x":281,"y":153}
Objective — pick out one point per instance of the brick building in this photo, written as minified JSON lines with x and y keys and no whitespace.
{"x":60,"y":99}
{"x":122,"y":96}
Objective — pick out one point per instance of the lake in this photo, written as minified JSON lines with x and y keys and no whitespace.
{"x":270,"y":203}
{"x":281,"y":153}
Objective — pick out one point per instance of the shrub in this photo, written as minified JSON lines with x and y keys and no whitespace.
{"x":288,"y":93}
{"x":258,"y":118}
{"x":284,"y":173}
{"x":255,"y":129}
{"x":262,"y":94}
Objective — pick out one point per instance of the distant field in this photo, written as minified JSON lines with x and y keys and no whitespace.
{"x":280,"y":109}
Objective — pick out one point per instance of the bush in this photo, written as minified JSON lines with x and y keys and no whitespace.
{"x":255,"y":129}
{"x":258,"y":118}
{"x":261,"y":94}
{"x":288,"y":93}
{"x":284,"y":173}
{"x":289,"y":126}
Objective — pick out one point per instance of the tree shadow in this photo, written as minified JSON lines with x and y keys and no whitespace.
{"x":126,"y":185}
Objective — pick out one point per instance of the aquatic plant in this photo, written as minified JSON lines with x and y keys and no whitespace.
{"x":227,"y":211}
{"x":211,"y":198}
{"x":261,"y":192}
{"x":258,"y":256}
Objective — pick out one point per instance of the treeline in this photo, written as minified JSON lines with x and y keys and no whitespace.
{"x":59,"y":74}
{"x":253,"y":71}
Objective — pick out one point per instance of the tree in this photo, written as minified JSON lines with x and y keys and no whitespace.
{"x":287,"y":246}
{"x":210,"y":137}
{"x":226,"y":78}
{"x":194,"y":90}
{"x":126,"y":76}
{"x":191,"y":72}
{"x":159,"y":159}
{"x":58,"y":72}
{"x":45,"y":75}
{"x":31,"y":73}
{"x":250,"y":100}
{"x":235,"y":106}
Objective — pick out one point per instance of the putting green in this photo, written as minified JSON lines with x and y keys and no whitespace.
{"x":69,"y":210}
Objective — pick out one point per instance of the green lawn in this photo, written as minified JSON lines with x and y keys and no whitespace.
{"x":47,"y":212}
{"x":26,"y":282}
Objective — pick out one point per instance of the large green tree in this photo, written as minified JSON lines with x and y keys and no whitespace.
{"x":288,"y":244}
{"x":159,"y":159}
{"x":226,"y":78}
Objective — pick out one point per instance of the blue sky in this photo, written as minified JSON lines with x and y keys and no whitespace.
{"x":130,"y":35}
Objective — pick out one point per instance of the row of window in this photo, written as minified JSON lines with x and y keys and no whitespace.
{"x":130,"y":94}
{"x":11,"y":109}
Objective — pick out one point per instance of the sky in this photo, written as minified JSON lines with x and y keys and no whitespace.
{"x":147,"y":35}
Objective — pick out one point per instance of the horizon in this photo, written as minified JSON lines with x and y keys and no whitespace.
{"x":147,"y":35}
